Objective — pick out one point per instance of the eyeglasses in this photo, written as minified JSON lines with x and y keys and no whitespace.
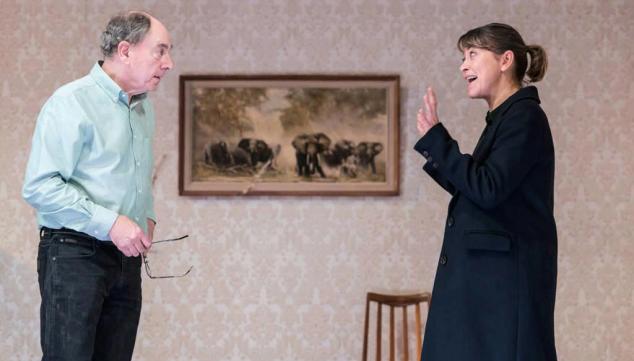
{"x":147,"y":265}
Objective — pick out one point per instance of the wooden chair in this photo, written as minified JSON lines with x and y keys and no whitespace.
{"x":394,"y":300}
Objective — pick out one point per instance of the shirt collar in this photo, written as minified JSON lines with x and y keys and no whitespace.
{"x":112,"y":89}
{"x":529,"y":92}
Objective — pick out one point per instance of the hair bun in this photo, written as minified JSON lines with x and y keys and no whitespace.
{"x":538,"y":63}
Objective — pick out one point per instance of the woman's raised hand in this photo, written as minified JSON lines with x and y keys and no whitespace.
{"x":427,"y":117}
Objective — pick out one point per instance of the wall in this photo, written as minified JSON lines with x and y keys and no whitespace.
{"x":285,"y":278}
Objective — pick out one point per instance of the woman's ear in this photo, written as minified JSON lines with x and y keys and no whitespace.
{"x":506,"y":60}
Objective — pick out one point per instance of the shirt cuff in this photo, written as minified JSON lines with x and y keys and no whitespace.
{"x":101,"y":222}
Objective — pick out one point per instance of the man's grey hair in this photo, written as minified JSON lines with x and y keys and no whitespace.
{"x":130,"y":27}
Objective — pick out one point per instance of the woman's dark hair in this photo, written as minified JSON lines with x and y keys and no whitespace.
{"x":499,"y":38}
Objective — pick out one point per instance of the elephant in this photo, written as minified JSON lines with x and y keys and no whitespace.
{"x":308,"y":147}
{"x":339,"y":153}
{"x":366,"y":152}
{"x":341,"y":156}
{"x":241,"y":158}
{"x":218,"y":154}
{"x":258,"y":150}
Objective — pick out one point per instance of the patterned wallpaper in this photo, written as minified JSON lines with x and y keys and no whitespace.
{"x":285,"y":278}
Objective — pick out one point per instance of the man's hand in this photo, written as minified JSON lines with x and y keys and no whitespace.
{"x":129,"y":237}
{"x":428,"y":117}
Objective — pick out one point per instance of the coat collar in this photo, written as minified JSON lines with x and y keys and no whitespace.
{"x":495,"y":116}
{"x":529,"y":92}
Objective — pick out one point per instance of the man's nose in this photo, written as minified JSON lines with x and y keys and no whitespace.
{"x":168,"y":62}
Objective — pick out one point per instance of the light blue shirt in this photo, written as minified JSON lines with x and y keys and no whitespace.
{"x":91,"y":157}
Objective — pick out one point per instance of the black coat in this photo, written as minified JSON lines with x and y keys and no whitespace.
{"x":494,"y":293}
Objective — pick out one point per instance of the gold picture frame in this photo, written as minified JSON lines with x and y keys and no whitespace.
{"x":304,"y":135}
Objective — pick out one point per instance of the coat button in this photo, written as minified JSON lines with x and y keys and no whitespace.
{"x":450,"y":221}
{"x":435,"y":165}
{"x":443,"y":259}
{"x":425,"y":154}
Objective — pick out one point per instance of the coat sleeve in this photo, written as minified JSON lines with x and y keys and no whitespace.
{"x":439,"y":178}
{"x":517,"y":146}
{"x":428,"y":167}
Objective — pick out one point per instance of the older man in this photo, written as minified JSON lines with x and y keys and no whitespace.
{"x":89,"y":179}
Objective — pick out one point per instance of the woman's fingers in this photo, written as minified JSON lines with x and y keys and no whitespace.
{"x":430,"y":104}
{"x":433,"y":103}
{"x":428,"y":110}
{"x":421,"y":122}
{"x":427,"y":116}
{"x":421,"y":128}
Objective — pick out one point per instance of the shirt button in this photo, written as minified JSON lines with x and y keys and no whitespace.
{"x":443,"y":259}
{"x":140,"y":191}
{"x":138,"y":164}
{"x":450,"y":221}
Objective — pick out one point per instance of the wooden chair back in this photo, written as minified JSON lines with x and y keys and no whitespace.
{"x":393,"y":301}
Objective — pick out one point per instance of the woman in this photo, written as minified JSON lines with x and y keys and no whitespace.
{"x":494,"y":292}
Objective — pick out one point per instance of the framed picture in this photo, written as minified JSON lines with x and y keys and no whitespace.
{"x":289,"y":135}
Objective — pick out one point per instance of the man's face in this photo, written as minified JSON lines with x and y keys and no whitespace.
{"x":149,"y":60}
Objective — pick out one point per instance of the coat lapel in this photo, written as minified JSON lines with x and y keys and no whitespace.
{"x":485,"y":142}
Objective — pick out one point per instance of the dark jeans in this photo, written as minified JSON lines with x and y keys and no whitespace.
{"x":91,"y":298}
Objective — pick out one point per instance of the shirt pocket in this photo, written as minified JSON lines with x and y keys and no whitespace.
{"x":488,"y":241}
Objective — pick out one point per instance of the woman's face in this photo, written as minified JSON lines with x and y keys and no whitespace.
{"x":482,"y":69}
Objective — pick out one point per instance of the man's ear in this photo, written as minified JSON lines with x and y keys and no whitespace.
{"x":506,"y":60}
{"x":123,"y":51}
